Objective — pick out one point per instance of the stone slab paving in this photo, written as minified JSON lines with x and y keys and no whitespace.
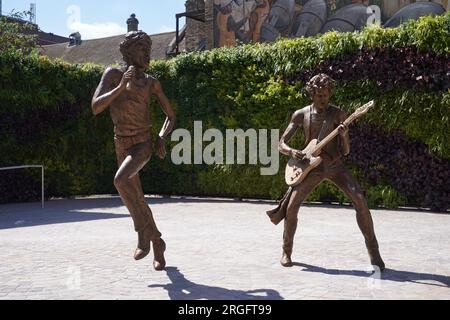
{"x":217,"y":249}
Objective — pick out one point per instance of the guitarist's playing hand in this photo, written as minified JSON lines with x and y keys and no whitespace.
{"x":343,"y":130}
{"x":296,"y":154}
{"x":345,"y":138}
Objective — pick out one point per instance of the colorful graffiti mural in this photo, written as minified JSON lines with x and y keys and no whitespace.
{"x":248,"y":21}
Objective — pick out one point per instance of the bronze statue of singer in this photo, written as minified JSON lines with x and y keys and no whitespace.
{"x":126,"y":91}
{"x":320,"y":121}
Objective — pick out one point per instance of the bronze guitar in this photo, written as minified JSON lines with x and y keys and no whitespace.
{"x":298,"y":170}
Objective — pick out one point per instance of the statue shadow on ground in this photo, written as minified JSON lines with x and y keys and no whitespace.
{"x":386,"y":275}
{"x":60,"y":218}
{"x":181,"y":288}
{"x":60,"y":212}
{"x":25,"y":215}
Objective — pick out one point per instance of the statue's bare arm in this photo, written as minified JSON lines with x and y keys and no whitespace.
{"x":283,"y":147}
{"x":106,"y":93}
{"x":169,"y":123}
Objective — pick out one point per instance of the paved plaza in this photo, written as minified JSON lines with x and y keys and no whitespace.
{"x":217,"y":249}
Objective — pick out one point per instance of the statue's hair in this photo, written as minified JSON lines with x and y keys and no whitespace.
{"x":131,"y":39}
{"x":321,"y":81}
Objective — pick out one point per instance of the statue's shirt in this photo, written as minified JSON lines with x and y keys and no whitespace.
{"x":130,"y":112}
{"x":312,"y":126}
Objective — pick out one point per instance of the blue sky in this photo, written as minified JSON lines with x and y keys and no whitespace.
{"x":100,"y":18}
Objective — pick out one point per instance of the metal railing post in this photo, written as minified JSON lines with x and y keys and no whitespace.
{"x":42,"y":189}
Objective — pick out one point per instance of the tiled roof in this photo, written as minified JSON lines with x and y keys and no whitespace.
{"x":45,"y":38}
{"x":105,"y":51}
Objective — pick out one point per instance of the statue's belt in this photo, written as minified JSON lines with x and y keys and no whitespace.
{"x":129,"y":141}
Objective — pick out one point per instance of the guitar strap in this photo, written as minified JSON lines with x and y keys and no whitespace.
{"x":326,"y":126}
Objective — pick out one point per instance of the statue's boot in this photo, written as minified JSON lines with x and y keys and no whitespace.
{"x":159,"y":247}
{"x":144,"y":239}
{"x":286,"y":260}
{"x":375,"y":258}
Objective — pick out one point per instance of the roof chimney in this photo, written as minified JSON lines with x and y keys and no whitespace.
{"x":74,"y":39}
{"x":132,"y":23}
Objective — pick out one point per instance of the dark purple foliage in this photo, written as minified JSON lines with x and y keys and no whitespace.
{"x":389,"y":67}
{"x":405,"y":164}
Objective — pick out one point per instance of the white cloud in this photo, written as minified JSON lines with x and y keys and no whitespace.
{"x":91,"y":30}
{"x":97,"y":30}
{"x":165,"y":28}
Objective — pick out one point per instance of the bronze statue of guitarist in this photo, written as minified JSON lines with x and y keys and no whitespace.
{"x":318,"y":121}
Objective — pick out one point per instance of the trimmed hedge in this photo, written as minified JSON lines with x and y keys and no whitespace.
{"x":400,"y":151}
